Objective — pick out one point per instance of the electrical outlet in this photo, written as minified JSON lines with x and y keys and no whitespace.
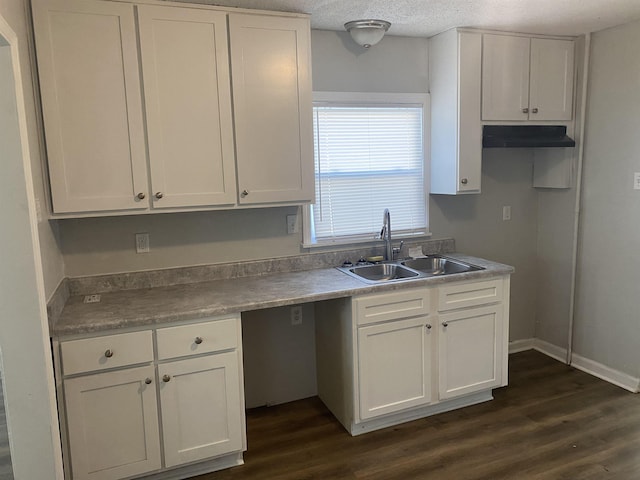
{"x":95,"y":298}
{"x":142,"y":243}
{"x":506,"y":212}
{"x":296,"y":315}
{"x":292,"y":224}
{"x":636,"y":181}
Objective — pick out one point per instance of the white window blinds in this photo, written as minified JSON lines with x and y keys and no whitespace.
{"x":368,"y":158}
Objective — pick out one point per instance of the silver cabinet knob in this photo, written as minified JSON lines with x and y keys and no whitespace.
{"x":525,"y":110}
{"x":147,"y":381}
{"x":198,"y":340}
{"x":534,"y":110}
{"x":166,"y":378}
{"x":445,"y":324}
{"x":108,"y":353}
{"x":159,"y":195}
{"x":464,"y":181}
{"x":428,"y":327}
{"x":244,"y":193}
{"x":141,"y":196}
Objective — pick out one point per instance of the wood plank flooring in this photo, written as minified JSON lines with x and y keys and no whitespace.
{"x":6,"y":471}
{"x":551,"y":422}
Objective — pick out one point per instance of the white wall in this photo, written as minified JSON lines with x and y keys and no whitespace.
{"x":24,"y":335}
{"x":607,"y":320}
{"x":15,"y":12}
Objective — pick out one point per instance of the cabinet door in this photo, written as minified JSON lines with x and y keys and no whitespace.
{"x":113,"y":424}
{"x":394,"y":366}
{"x":551,"y":95}
{"x":185,"y":67}
{"x":201,"y":407}
{"x":270,"y":63}
{"x":470,"y":351}
{"x":505,"y":77}
{"x":90,"y":84}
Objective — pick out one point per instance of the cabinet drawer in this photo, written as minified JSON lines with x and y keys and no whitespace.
{"x":464,"y":295}
{"x":197,"y":338}
{"x":100,"y":353}
{"x":389,"y":306}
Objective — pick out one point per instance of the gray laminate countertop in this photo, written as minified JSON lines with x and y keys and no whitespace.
{"x":158,"y":305}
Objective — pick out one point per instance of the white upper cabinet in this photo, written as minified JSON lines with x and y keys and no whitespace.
{"x":551,"y":86}
{"x":93,"y":60}
{"x":270,"y":63}
{"x":185,"y":66}
{"x":90,"y":84}
{"x":527,"y":79}
{"x":456,"y":130}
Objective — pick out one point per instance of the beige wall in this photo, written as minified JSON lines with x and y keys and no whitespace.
{"x":106,"y":245}
{"x":607,"y":319}
{"x":15,"y":12}
{"x":25,"y":351}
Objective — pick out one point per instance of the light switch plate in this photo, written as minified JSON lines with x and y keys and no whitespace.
{"x":636,"y":181}
{"x":506,"y":212}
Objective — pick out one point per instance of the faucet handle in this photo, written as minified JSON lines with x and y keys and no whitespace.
{"x":397,"y":250}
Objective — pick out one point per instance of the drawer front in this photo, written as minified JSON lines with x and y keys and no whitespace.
{"x":197,"y":338}
{"x":110,"y":351}
{"x":464,"y":295}
{"x":390,"y":306}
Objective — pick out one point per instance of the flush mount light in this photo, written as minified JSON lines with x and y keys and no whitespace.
{"x":367,"y":32}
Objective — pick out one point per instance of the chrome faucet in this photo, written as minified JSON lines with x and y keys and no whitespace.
{"x":385,"y":235}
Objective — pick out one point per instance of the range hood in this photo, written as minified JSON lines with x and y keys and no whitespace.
{"x":525,"y":136}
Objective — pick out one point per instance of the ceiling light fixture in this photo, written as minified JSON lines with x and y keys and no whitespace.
{"x":367,"y":32}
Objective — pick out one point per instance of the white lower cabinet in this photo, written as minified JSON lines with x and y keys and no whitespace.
{"x":186,"y":402}
{"x":112,"y":421}
{"x":394,"y":366}
{"x":201,"y":408}
{"x":470,"y":351}
{"x":387,"y":358}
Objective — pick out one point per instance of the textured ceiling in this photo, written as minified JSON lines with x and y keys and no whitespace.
{"x":425,"y":18}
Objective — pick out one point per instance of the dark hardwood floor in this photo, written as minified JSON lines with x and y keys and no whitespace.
{"x":551,"y":422}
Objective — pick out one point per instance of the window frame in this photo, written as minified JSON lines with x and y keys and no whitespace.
{"x":358,"y":99}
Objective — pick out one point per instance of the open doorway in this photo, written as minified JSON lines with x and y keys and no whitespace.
{"x":28,"y":399}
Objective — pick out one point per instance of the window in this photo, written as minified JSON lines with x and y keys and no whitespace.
{"x":369,"y":155}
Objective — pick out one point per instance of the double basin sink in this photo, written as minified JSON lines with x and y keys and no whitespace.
{"x":410,"y":269}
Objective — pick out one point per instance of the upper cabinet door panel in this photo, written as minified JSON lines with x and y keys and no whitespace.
{"x":270,"y":61}
{"x":185,"y":67}
{"x":551,"y":95}
{"x":90,"y":84}
{"x":505,"y":77}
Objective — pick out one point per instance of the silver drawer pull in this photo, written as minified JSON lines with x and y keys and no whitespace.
{"x":147,"y":381}
{"x":166,"y":378}
{"x":445,"y":324}
{"x":108,"y":353}
{"x":198,"y":340}
{"x":428,"y":327}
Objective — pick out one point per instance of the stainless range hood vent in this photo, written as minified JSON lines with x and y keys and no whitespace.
{"x":525,"y":136}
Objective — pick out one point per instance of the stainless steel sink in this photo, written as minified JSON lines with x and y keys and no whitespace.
{"x":439,"y":265}
{"x":381,"y":272}
{"x":432,"y":265}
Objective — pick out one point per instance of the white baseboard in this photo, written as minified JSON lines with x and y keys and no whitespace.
{"x":586,"y":365}
{"x":550,"y":350}
{"x":521,"y":345}
{"x":605,"y":373}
